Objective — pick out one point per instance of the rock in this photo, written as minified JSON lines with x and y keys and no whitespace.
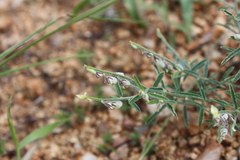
{"x":88,"y":156}
{"x":116,"y":115}
{"x":128,"y":123}
{"x":212,"y":151}
{"x":123,"y":151}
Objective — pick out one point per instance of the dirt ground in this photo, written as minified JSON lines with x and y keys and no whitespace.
{"x":44,"y":92}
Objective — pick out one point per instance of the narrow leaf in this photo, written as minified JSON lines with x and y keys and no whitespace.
{"x":199,"y":65}
{"x":226,"y":74}
{"x":135,"y":98}
{"x":221,"y":102}
{"x":39,"y":133}
{"x":229,"y":79}
{"x":156,"y":69}
{"x":232,"y":54}
{"x":158,"y":80}
{"x":176,"y":80}
{"x":134,"y":105}
{"x":200,"y":116}
{"x":202,"y":92}
{"x":236,"y":77}
{"x":136,"y":80}
{"x":205,"y":71}
{"x":158,"y":96}
{"x":210,"y":127}
{"x":153,"y":102}
{"x":227,"y":48}
{"x":187,"y":95}
{"x":213,"y":89}
{"x":214,"y":82}
{"x":233,"y":96}
{"x":172,"y":110}
{"x":118,"y":89}
{"x":191,"y":73}
{"x":155,"y":89}
{"x":185,"y":115}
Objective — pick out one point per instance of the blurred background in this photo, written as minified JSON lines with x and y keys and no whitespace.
{"x":47,"y":93}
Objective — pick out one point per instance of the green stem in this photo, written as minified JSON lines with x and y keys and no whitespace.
{"x":115,"y":74}
{"x":111,"y":99}
{"x":144,"y":153}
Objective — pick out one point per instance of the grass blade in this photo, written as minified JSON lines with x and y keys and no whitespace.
{"x":11,"y":49}
{"x":41,"y":63}
{"x":80,"y":6}
{"x":230,"y":55}
{"x":70,"y":22}
{"x":187,"y":10}
{"x":232,"y":94}
{"x":12,"y":129}
{"x":2,"y":149}
{"x":39,"y":133}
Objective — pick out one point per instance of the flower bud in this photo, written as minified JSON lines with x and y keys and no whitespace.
{"x":91,"y":70}
{"x":98,"y":74}
{"x":120,"y":73}
{"x":223,"y":132}
{"x":237,"y":36}
{"x":110,"y":80}
{"x":112,"y":104}
{"x":148,"y":54}
{"x":124,"y":82}
{"x":159,"y":62}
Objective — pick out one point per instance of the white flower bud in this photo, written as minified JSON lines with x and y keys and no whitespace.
{"x":120,"y":73}
{"x":112,"y":104}
{"x":98,"y":74}
{"x":223,"y":132}
{"x":237,"y":36}
{"x":110,"y":80}
{"x":91,"y":70}
{"x":223,"y":117}
{"x":124,"y":82}
{"x":159,"y":62}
